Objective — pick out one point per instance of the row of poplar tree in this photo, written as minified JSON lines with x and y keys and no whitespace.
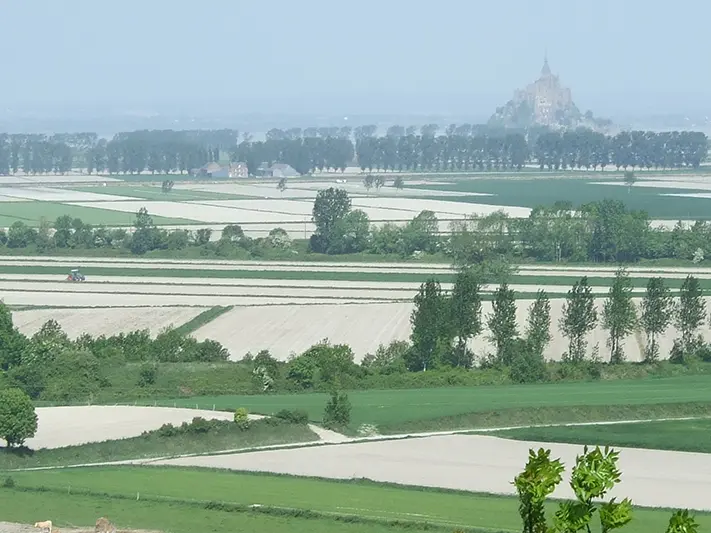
{"x":443,"y":323}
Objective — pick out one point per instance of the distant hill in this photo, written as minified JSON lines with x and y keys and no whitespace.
{"x":545,"y":102}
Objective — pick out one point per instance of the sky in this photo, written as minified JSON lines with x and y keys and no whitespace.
{"x":367,"y":56}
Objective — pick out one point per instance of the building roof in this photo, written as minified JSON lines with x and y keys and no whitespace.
{"x":281,"y":166}
{"x":211,"y":167}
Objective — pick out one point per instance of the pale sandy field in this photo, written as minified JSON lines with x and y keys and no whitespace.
{"x":108,"y":321}
{"x":71,"y":426}
{"x":213,"y":264}
{"x":50,"y":194}
{"x":650,"y":478}
{"x":291,"y":329}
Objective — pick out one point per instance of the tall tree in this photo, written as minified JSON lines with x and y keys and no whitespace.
{"x":538,"y":324}
{"x":465,"y":314}
{"x":502,"y":323}
{"x":578,"y":319}
{"x":330,"y":207}
{"x":429,"y":321}
{"x":691,"y":310}
{"x":619,"y":316}
{"x":657,"y":308}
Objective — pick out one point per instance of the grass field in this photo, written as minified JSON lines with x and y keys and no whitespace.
{"x":541,"y":191}
{"x":155,"y":193}
{"x":222,"y":436}
{"x":32,"y":212}
{"x":178,"y":488}
{"x":678,"y":435}
{"x":461,"y":407}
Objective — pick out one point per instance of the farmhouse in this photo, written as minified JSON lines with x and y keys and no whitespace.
{"x":277,"y":170}
{"x":215,"y":170}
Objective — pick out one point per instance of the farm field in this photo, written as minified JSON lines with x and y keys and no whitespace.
{"x":280,"y":306}
{"x":74,"y":425}
{"x":475,"y":463}
{"x":367,"y":500}
{"x":448,"y":408}
{"x":679,"y":435}
{"x":655,"y":194}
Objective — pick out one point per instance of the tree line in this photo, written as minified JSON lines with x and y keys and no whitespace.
{"x":460,"y":148}
{"x":67,"y":232}
{"x":604,"y":232}
{"x":444,"y":323}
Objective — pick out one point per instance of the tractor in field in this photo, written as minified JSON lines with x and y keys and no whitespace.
{"x":75,"y":275}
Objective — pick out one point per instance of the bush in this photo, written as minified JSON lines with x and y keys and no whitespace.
{"x":242,"y":418}
{"x":338,"y":410}
{"x":147,"y":375}
{"x":18,"y":420}
{"x":8,"y":483}
{"x":293,"y":416}
{"x":527,"y":366}
{"x":197,"y":425}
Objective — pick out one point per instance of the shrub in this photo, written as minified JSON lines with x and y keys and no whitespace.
{"x":147,"y":375}
{"x":293,"y":416}
{"x":197,"y":425}
{"x":242,"y":418}
{"x":18,"y":420}
{"x":167,"y":430}
{"x":8,"y":483}
{"x":338,"y":410}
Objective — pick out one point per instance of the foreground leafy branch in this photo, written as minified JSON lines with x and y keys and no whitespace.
{"x":595,"y":473}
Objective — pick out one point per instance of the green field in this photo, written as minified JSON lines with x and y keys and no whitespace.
{"x":32,"y":212}
{"x":678,"y":435}
{"x":545,"y":191}
{"x":492,"y":406}
{"x":177,"y":489}
{"x":147,"y":192}
{"x":220,"y":437}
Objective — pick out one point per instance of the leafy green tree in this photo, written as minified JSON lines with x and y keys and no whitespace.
{"x":657,"y":312}
{"x":330,"y":207}
{"x":281,"y":186}
{"x":241,"y":418}
{"x":579,"y":318}
{"x":630,"y":180}
{"x":502,"y":323}
{"x":619,"y":316}
{"x":690,"y":311}
{"x":18,"y":420}
{"x":350,"y":234}
{"x":538,"y":323}
{"x":430,"y":327}
{"x":337,"y":412}
{"x":368,"y":181}
{"x":465,"y":314}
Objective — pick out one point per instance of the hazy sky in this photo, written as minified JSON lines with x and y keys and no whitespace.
{"x":404,"y":56}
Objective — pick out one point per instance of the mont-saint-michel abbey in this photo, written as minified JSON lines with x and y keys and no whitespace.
{"x":545,"y":102}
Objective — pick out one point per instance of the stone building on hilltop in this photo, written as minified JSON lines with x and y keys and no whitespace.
{"x":545,"y":102}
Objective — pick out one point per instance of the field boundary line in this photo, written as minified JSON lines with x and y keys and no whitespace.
{"x":354,"y":440}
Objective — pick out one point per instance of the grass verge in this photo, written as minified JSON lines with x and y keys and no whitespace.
{"x":303,"y":502}
{"x":220,"y":435}
{"x":676,"y":435}
{"x":203,"y":318}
